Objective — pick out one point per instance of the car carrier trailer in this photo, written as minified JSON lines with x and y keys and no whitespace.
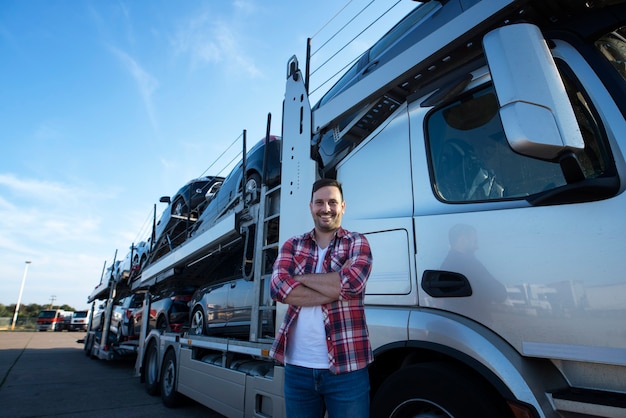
{"x":540,"y":87}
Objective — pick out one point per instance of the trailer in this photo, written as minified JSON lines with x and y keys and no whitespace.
{"x":499,"y":122}
{"x":99,"y":342}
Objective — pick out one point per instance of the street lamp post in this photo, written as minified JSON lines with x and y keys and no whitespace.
{"x":19,"y":298}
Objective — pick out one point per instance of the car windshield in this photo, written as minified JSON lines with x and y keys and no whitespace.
{"x":613,"y":48}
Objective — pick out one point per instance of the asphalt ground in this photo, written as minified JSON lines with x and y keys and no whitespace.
{"x":47,"y":374}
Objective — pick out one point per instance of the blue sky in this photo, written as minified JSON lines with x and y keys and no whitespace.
{"x":107,"y":105}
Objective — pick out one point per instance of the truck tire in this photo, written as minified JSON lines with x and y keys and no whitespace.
{"x":169,"y":377}
{"x":88,"y":344}
{"x":437,"y":389}
{"x":151,"y":370}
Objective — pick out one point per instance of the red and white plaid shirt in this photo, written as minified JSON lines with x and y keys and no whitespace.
{"x":347,"y":337}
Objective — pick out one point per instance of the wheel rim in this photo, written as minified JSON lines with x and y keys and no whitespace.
{"x":252,"y":189}
{"x":197,"y":322}
{"x":169,"y":378}
{"x":419,"y":408}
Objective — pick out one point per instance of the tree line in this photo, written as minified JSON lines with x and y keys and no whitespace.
{"x":29,"y":311}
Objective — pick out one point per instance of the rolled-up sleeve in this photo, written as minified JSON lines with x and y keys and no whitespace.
{"x":355,"y":272}
{"x":282,"y":282}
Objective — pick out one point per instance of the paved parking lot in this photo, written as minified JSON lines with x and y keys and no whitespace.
{"x":47,"y":374}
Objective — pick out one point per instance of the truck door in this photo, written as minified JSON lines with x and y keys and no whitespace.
{"x":534,"y":253}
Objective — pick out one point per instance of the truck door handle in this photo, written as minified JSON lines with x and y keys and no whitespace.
{"x":445,"y":284}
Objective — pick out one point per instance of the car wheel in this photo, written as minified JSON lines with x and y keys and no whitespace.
{"x":119,"y":336}
{"x":161,"y":324}
{"x":252,"y":191}
{"x":425,"y":390}
{"x":131,"y":327}
{"x":151,"y":370}
{"x":169,"y":396}
{"x":197,"y":322}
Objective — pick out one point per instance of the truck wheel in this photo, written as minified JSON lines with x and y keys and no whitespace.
{"x":151,"y":370}
{"x":169,"y":396}
{"x":88,"y":344}
{"x":197,"y":322}
{"x":437,"y":390}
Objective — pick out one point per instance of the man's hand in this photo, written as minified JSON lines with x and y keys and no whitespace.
{"x":315,"y":289}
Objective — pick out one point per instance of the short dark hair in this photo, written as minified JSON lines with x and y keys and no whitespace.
{"x":326,"y":183}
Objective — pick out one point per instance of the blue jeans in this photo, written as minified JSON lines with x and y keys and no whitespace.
{"x":311,"y":392}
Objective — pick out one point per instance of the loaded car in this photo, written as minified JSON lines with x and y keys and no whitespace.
{"x":226,"y":309}
{"x":327,"y":146}
{"x":134,"y":261}
{"x":97,"y":320}
{"x":230,"y":192}
{"x":127,"y":316}
{"x":183,"y":209}
{"x":169,"y":308}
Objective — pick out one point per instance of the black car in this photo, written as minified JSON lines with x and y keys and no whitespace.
{"x":182,"y":211}
{"x":226,"y":309}
{"x":230,"y":192}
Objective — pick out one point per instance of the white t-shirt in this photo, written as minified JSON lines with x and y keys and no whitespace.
{"x":306,"y":343}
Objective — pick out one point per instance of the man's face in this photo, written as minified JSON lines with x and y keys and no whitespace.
{"x":327,"y":208}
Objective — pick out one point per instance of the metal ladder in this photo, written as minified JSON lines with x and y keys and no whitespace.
{"x":266,"y":244}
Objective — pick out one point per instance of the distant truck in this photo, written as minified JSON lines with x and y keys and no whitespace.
{"x":79,"y":321}
{"x":51,"y":319}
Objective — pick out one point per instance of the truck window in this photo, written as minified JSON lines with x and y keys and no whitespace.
{"x":471,"y":160}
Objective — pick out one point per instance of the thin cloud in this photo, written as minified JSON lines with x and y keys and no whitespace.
{"x":207,"y":41}
{"x":146,"y":83}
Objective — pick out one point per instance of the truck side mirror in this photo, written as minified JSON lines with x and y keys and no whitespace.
{"x":536,"y":113}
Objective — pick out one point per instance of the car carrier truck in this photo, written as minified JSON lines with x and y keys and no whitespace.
{"x":484,"y":161}
{"x":99,"y":341}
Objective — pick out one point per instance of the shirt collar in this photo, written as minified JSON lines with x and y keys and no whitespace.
{"x":339,"y":233}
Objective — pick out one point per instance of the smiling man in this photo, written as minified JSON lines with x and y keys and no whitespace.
{"x":323,"y":340}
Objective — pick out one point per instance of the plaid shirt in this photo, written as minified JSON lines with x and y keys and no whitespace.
{"x":344,"y":320}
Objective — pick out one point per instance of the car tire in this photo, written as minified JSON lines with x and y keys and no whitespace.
{"x":197,"y":324}
{"x":161,"y":324}
{"x":252,"y":189}
{"x":151,"y":370}
{"x":169,"y":377}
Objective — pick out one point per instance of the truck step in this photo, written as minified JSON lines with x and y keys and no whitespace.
{"x":590,"y":402}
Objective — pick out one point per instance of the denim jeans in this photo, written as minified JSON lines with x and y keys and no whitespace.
{"x":311,"y":392}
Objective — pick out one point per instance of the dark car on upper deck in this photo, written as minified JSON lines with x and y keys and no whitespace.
{"x":182,"y":211}
{"x":235,"y":187}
